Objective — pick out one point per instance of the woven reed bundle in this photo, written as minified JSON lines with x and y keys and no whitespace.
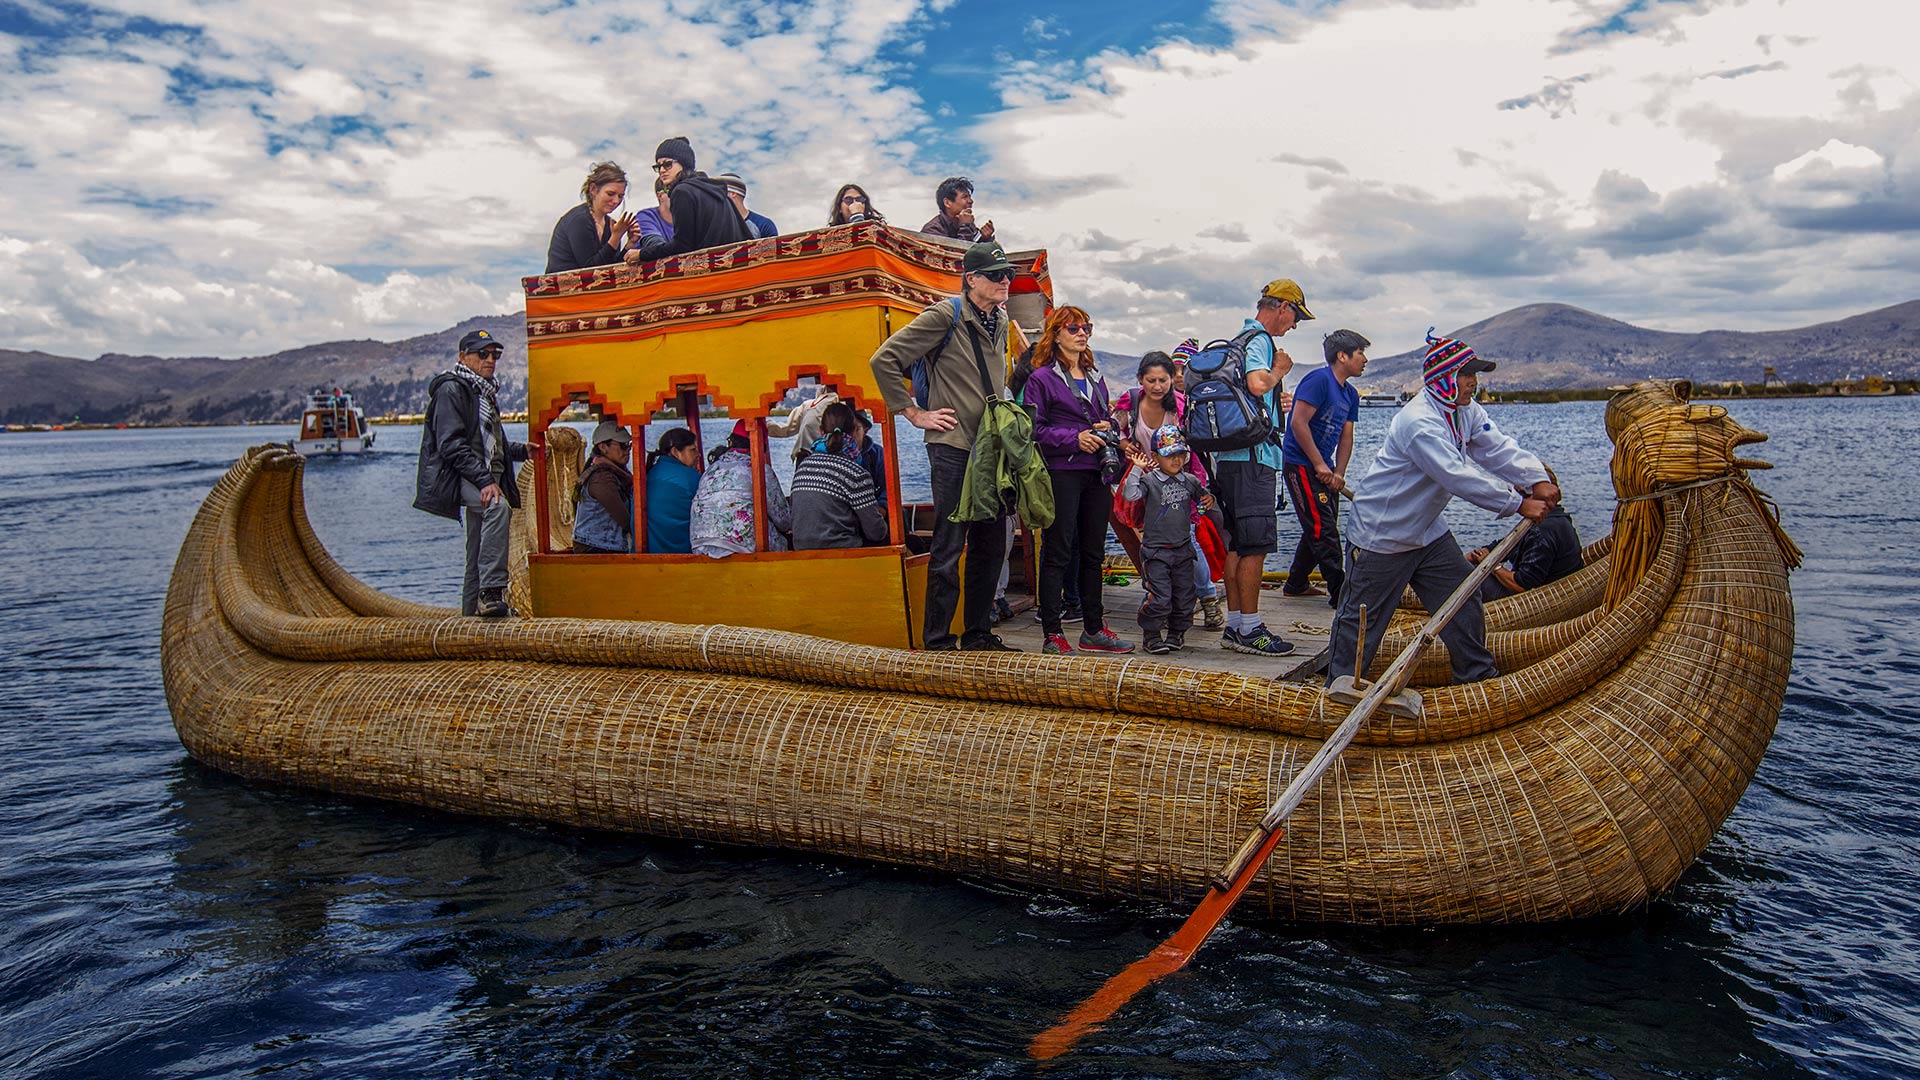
{"x":1582,"y":783}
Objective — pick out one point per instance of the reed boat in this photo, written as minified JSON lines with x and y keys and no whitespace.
{"x":1638,"y":698}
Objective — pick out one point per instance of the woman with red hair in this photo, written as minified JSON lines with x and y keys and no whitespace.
{"x":1072,"y":425}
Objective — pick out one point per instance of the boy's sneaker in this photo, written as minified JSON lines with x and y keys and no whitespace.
{"x":1002,"y":611}
{"x":988,"y":643}
{"x":1103,"y":640}
{"x":1071,"y":614}
{"x":1176,"y":641}
{"x":1230,"y":639}
{"x":1215,"y":619}
{"x":1261,"y":642}
{"x":1161,"y":646}
{"x":1056,"y":645}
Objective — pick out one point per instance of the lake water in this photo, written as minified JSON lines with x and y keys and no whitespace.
{"x":160,"y":918}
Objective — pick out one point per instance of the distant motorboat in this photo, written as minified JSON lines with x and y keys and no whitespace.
{"x":1383,"y":399}
{"x":332,"y":424}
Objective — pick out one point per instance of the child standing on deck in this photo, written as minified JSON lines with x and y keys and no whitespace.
{"x":1169,"y":492}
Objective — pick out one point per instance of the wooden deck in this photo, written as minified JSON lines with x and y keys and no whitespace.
{"x":1290,"y":617}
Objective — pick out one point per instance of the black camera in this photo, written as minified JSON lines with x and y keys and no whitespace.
{"x":1113,"y":464}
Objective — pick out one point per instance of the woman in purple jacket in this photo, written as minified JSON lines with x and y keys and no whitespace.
{"x":1070,"y":414}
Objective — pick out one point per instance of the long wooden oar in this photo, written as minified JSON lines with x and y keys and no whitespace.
{"x":1231,"y":882}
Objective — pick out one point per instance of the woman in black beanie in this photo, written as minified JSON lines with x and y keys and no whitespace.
{"x":703,"y":215}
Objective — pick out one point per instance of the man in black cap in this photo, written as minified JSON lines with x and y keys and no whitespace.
{"x":703,"y":214}
{"x":466,"y":462}
{"x":957,"y":340}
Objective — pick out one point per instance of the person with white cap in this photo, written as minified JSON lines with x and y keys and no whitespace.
{"x":603,"y":509}
{"x":1439,"y":445}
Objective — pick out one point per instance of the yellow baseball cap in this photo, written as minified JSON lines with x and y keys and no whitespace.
{"x":1289,"y":290}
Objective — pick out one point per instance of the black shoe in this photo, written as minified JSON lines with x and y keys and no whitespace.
{"x":986,"y":643}
{"x":493,"y":604}
{"x":1071,"y":614}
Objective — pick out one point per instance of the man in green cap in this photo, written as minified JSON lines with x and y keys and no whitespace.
{"x":958,"y":337}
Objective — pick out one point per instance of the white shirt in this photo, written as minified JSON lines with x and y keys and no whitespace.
{"x":1420,"y":468}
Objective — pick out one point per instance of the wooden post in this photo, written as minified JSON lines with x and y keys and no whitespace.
{"x":690,"y":412}
{"x":538,"y":451}
{"x":639,"y":430}
{"x":896,"y":525}
{"x":757,"y":441}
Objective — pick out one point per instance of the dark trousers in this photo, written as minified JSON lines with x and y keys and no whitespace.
{"x":985,"y":545}
{"x":1170,"y":590}
{"x":1376,"y":580}
{"x":1319,"y":512}
{"x":1077,"y":539}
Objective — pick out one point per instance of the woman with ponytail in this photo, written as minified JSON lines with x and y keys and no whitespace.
{"x":834,"y":504}
{"x":673,"y":475}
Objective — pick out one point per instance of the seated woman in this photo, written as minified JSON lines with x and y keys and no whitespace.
{"x":870,"y":455}
{"x":722,"y":514}
{"x":652,"y":227}
{"x":589,"y":234}
{"x":850,"y":203}
{"x":673,"y":475}
{"x":603,"y":510}
{"x":834,"y":505}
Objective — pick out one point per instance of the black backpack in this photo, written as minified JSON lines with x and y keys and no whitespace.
{"x":1222,"y":414}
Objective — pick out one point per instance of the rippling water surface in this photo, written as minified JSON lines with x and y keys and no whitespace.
{"x":160,"y":918}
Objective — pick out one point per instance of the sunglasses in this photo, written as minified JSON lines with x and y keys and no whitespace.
{"x":492,"y":354}
{"x":998,"y":276}
{"x":1078,"y":328}
{"x":849,"y":200}
{"x":663,"y":166}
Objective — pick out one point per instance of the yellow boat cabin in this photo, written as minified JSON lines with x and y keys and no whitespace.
{"x":734,"y":329}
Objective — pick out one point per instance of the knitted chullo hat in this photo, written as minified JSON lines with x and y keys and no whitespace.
{"x":1445,"y":358}
{"x":677,"y":148}
{"x":1186,"y":350}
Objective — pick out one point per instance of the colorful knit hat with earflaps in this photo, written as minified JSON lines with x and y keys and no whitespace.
{"x":1445,"y":357}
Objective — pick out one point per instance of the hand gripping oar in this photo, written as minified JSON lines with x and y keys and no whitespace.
{"x":1231,"y":882}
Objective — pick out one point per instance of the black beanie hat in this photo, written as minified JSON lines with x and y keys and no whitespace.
{"x":677,"y":148}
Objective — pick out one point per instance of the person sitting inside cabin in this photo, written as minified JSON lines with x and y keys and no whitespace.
{"x":834,"y":505}
{"x":466,"y":463}
{"x":603,"y":506}
{"x":760,"y":225}
{"x":1436,"y":448}
{"x":721,"y":518}
{"x":702,"y":213}
{"x":954,"y":197}
{"x":589,"y":235}
{"x":1549,"y":552}
{"x":673,"y":475}
{"x":1168,"y":492}
{"x":851,"y":204}
{"x":870,"y":458}
{"x":652,"y":227}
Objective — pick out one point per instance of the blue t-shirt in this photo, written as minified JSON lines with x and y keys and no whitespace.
{"x":1259,"y":358}
{"x":1335,"y":405}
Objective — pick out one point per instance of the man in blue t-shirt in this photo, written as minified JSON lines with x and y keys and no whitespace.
{"x":1313,"y":459}
{"x":1247,"y":482}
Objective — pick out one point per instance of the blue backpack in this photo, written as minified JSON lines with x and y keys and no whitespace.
{"x":1222,"y":414}
{"x":921,"y":373}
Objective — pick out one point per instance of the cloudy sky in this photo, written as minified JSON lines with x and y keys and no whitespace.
{"x":233,"y":178}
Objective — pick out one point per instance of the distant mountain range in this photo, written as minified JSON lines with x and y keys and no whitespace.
{"x":1540,"y":346}
{"x":1556,"y":346}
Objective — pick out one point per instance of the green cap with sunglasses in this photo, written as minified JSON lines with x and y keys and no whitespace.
{"x":984,"y":258}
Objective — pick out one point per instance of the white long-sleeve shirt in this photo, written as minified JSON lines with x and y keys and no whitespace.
{"x":1420,"y":467}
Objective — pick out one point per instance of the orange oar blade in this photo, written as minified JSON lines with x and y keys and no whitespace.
{"x":1171,"y":955}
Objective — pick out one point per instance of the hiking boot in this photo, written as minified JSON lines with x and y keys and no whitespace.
{"x":1056,"y":645}
{"x":1176,"y":642}
{"x":991,"y":643}
{"x":493,"y":604}
{"x":1215,"y":619}
{"x":1161,"y":646}
{"x":1001,"y":611}
{"x":1261,"y":642}
{"x":1103,"y":640}
{"x":1071,"y":614}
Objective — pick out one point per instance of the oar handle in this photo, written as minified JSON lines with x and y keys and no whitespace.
{"x":1386,"y":686}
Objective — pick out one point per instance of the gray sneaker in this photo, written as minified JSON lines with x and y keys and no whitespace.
{"x":1103,"y":640}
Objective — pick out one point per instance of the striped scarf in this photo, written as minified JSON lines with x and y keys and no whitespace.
{"x":1445,"y":358}
{"x":485,"y":391}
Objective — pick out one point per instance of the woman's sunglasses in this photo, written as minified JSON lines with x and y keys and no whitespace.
{"x":1078,"y":328}
{"x":663,"y":166}
{"x":849,"y":200}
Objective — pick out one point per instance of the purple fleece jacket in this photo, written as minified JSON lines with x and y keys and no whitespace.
{"x":1059,"y":416}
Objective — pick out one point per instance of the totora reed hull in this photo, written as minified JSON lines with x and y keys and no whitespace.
{"x":1638,"y":702}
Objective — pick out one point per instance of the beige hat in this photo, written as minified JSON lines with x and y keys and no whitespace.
{"x":611,"y":429}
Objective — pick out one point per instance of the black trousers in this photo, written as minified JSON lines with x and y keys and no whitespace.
{"x":1077,"y":539}
{"x":1319,"y":512}
{"x":985,"y":545}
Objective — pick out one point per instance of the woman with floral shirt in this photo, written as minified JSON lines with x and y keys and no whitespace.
{"x":721,"y":521}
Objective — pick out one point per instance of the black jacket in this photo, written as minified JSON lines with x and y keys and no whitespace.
{"x":703,"y":217}
{"x":451,"y":449}
{"x":576,"y":245}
